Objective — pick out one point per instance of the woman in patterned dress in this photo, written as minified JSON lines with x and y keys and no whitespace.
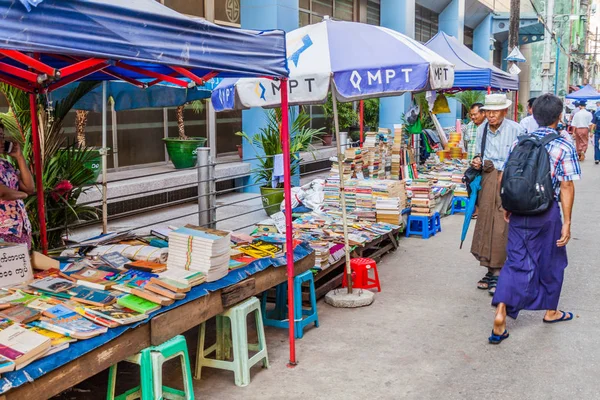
{"x":15,"y":185}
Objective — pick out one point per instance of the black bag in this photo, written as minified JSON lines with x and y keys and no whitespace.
{"x":472,"y":173}
{"x":527,"y":180}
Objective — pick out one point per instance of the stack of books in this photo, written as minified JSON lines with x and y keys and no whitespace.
{"x":390,"y":200}
{"x":194,"y":248}
{"x":331,"y":192}
{"x":385,"y":149}
{"x":350,"y":193}
{"x":396,"y":157}
{"x":374,"y":157}
{"x":422,"y":201}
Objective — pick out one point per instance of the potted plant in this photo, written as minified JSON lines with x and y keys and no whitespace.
{"x":182,"y":149}
{"x":267,"y":144}
{"x":347,"y":117}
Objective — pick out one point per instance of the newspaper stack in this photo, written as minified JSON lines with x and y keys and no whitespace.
{"x":194,"y":248}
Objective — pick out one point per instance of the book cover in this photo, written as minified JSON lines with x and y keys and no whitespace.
{"x":17,"y":297}
{"x":138,"y":304}
{"x":117,"y":313}
{"x":52,"y":285}
{"x":116,"y":260}
{"x":6,"y":365}
{"x":20,"y":344}
{"x":56,"y":339}
{"x":146,"y":266}
{"x":152,"y":297}
{"x":20,"y":314}
{"x":69,"y":323}
{"x":172,"y":284}
{"x":92,"y":275}
{"x":163,"y":291}
{"x":91,"y":296}
{"x":82,"y":309}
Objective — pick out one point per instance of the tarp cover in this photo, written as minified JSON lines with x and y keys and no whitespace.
{"x":144,"y":32}
{"x":363,"y":60}
{"x":586,"y":93}
{"x":44,"y":365}
{"x":471,"y":72}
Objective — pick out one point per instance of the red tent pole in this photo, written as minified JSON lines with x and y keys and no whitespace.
{"x":489,"y":90}
{"x":362,"y":121}
{"x":39,"y":184}
{"x":287,"y":188}
{"x":516,"y":105}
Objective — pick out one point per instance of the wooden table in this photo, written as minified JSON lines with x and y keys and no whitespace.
{"x":156,"y":331}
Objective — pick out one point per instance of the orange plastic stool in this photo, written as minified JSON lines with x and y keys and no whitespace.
{"x":360,"y":274}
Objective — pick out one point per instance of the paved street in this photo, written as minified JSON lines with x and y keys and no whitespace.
{"x":425,"y":337}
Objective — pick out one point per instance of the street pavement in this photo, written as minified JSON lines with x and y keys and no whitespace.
{"x":425,"y":336}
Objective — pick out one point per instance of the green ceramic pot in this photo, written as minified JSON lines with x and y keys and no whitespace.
{"x":183,"y":152}
{"x":271,"y":199}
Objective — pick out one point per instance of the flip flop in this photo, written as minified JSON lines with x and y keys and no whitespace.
{"x":497,"y":339}
{"x":484,"y":281}
{"x":566,"y":316}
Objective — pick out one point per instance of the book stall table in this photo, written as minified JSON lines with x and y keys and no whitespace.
{"x":50,"y":376}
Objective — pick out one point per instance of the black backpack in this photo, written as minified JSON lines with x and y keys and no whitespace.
{"x":527,"y":180}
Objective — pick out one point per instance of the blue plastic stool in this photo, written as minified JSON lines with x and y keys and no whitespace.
{"x":459,"y":205}
{"x":277,"y":317}
{"x":420,"y":225}
{"x":436,"y":220}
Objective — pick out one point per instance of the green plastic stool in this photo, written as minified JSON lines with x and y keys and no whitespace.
{"x":232,"y":334}
{"x":151,"y":362}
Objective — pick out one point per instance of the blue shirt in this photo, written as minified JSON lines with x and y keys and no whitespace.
{"x":498,"y":144}
{"x":596,"y":120}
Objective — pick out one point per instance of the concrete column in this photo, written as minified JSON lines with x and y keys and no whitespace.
{"x":262,"y":15}
{"x":481,"y":38}
{"x":398,"y":15}
{"x":452,"y":22}
{"x":525,"y":75}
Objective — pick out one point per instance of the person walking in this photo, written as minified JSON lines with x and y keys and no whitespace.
{"x":596,"y":127}
{"x":529,"y":123}
{"x":582,"y":124}
{"x":477,"y":116}
{"x":533,"y":275}
{"x":490,"y":236}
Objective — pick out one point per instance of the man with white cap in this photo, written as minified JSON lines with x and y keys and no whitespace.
{"x":582,"y":125}
{"x":494,"y":141}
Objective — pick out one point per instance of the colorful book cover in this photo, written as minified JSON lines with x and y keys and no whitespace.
{"x":52,"y":285}
{"x":56,"y":339}
{"x":20,"y":314}
{"x":17,"y":297}
{"x":137,"y":304}
{"x":115,"y":259}
{"x":91,"y":296}
{"x":120,"y":314}
{"x":68,"y":322}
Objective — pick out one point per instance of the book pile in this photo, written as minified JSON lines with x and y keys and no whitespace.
{"x":350,"y":193}
{"x":422,"y":201}
{"x":390,"y":198}
{"x":385,"y":146}
{"x":194,"y":248}
{"x":364,"y":194}
{"x":396,"y":156}
{"x":331,"y":192}
{"x":373,"y":156}
{"x":461,"y":191}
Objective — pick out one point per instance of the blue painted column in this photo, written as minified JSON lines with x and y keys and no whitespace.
{"x":263,"y":15}
{"x":398,"y":15}
{"x":452,"y":22}
{"x":482,"y":35}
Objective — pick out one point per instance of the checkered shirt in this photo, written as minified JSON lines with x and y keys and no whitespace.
{"x":564,"y":163}
{"x":471,"y":139}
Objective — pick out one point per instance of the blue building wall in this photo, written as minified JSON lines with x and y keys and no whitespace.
{"x":481,"y":38}
{"x":398,"y":15}
{"x":263,"y":15}
{"x":452,"y":22}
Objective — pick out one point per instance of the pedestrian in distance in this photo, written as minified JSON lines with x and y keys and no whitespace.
{"x":532,"y":276}
{"x":596,"y":128}
{"x":529,"y":123}
{"x":494,"y":140}
{"x":477,"y":116}
{"x":582,"y":127}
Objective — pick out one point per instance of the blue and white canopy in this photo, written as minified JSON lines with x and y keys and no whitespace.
{"x":363,"y":60}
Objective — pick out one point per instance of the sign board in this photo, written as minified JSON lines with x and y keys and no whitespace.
{"x":15,"y":266}
{"x":514,"y":70}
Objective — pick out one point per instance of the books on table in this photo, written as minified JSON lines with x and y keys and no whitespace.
{"x":195,"y":248}
{"x":67,"y":322}
{"x":137,"y":304}
{"x":52,"y":285}
{"x":58,"y":342}
{"x":22,"y":346}
{"x":20,"y":314}
{"x":119,"y":314}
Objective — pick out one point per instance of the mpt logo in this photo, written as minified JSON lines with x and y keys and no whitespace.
{"x":378,"y":76}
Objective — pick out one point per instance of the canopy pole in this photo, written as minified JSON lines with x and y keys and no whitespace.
{"x":341,"y":158}
{"x":289,"y":240}
{"x":489,"y":90}
{"x":39,"y":183}
{"x":104,"y":161}
{"x":362,"y":120}
{"x":516,"y":105}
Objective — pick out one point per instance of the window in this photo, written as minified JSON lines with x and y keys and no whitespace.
{"x":426,"y":23}
{"x":468,"y":37}
{"x":373,"y":12}
{"x":189,"y":7}
{"x":313,"y":11}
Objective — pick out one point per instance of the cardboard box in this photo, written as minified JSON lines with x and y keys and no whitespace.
{"x":15,"y":266}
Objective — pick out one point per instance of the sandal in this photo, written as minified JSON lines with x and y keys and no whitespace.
{"x":497,"y":339}
{"x":493,"y":282}
{"x":566,"y":316}
{"x":484,"y":281}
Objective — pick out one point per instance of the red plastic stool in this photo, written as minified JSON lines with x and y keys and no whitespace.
{"x":360,"y":274}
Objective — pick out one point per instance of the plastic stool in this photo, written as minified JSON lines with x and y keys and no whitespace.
{"x":459,"y":205}
{"x":305,"y":317}
{"x":278,"y":317}
{"x":360,"y":274}
{"x":151,"y":362}
{"x":420,"y":225}
{"x":436,"y":220}
{"x":235,"y":338}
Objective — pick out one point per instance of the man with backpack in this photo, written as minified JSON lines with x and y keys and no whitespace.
{"x":539,"y":174}
{"x":494,"y":140}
